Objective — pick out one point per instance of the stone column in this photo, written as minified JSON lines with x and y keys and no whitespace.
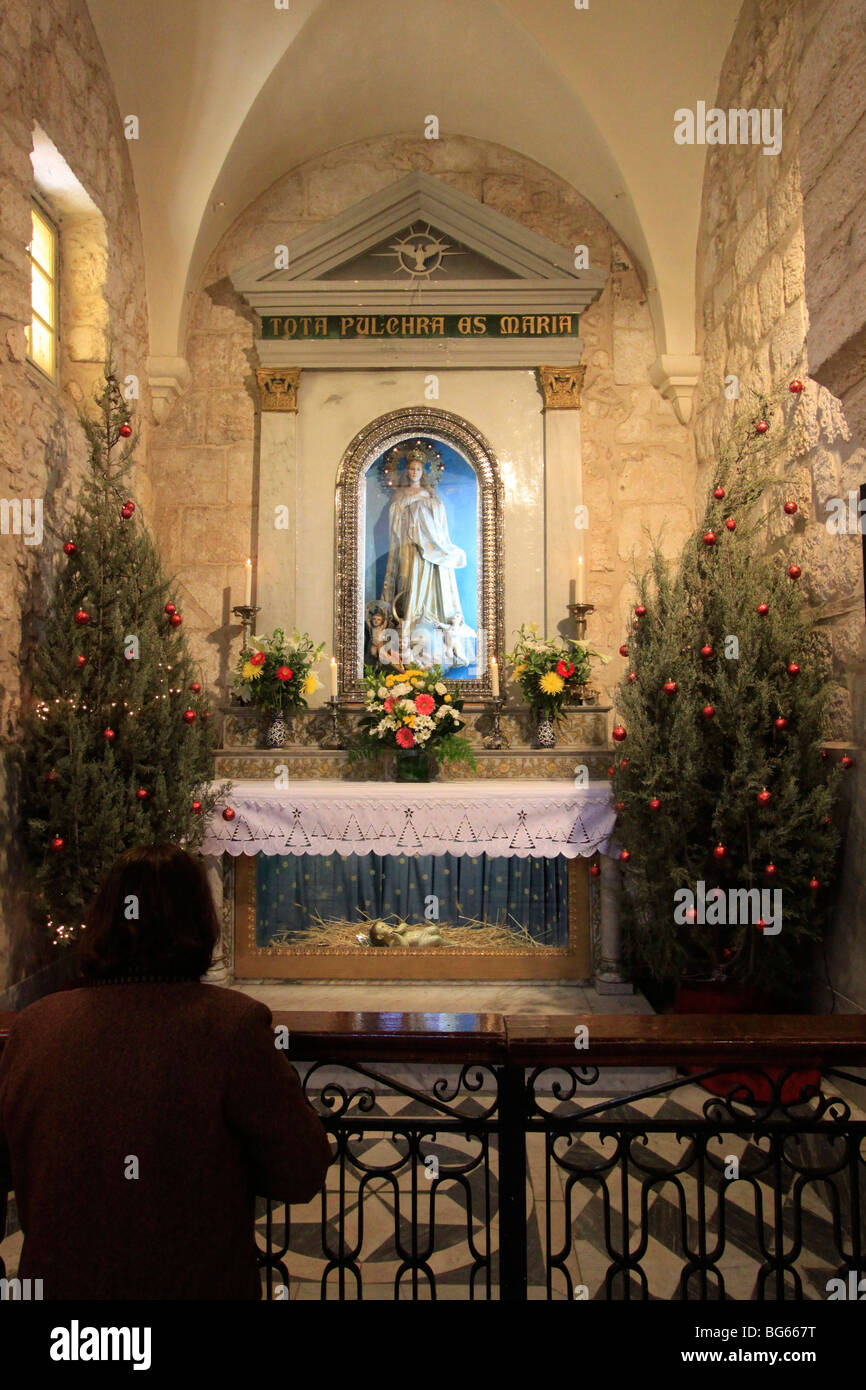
{"x":610,"y":978}
{"x":276,"y":558}
{"x":219,"y":972}
{"x":563,"y":488}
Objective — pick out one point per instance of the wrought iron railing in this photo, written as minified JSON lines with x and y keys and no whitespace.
{"x":483,"y":1157}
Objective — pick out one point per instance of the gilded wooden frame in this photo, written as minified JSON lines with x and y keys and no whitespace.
{"x":573,"y":962}
{"x":394,"y":428}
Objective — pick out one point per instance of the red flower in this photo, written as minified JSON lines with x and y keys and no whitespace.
{"x":564,"y":669}
{"x":257,"y":658}
{"x":405,"y":738}
{"x":425,"y":704}
{"x":388,"y":705}
{"x":284,"y":673}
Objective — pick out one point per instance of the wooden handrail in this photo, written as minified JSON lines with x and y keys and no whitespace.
{"x":535,"y":1040}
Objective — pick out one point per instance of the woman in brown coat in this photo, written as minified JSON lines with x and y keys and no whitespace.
{"x":141,"y":1114}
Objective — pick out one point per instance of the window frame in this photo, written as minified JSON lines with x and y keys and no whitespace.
{"x":40,"y":210}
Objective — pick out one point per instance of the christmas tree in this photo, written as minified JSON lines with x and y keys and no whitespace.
{"x":721,"y":781}
{"x":117,"y":745}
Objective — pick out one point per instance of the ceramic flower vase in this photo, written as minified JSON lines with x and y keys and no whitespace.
{"x":278,"y":731}
{"x":545,"y":733}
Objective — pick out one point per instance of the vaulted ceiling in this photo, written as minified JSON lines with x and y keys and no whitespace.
{"x":231,"y":94}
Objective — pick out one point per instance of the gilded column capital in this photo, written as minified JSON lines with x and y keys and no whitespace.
{"x":561,"y":387}
{"x":278,"y":387}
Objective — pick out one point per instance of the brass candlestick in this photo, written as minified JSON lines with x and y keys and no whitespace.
{"x":496,"y":738}
{"x":579,"y":612}
{"x":333,"y":739}
{"x":246,"y":612}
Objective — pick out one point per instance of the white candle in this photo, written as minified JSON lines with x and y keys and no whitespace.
{"x":581,"y":580}
{"x":494,"y":677}
{"x":334,"y":676}
{"x":248,"y":593}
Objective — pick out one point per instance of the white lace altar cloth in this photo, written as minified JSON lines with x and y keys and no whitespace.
{"x":504,"y":819}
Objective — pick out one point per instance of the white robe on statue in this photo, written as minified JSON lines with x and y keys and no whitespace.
{"x":420,"y":577}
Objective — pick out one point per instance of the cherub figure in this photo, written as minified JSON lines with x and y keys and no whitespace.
{"x":380,"y":647}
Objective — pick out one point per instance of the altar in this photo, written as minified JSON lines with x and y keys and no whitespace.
{"x":498,"y":869}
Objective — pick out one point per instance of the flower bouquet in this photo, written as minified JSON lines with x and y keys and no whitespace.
{"x":550,"y":671}
{"x":414,"y":714}
{"x":277,"y":676}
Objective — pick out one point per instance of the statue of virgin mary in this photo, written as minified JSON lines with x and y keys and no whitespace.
{"x":420,"y":583}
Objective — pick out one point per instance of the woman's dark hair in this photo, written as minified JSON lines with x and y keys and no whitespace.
{"x":153,"y":916}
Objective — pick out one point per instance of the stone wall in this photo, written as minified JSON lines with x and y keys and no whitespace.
{"x":53,"y":77}
{"x":754,"y":323}
{"x":638,"y":461}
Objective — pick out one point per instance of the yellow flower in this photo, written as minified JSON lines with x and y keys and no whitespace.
{"x":447,"y":699}
{"x":251,"y":672}
{"x":518,"y":670}
{"x":409,"y":719}
{"x":551,"y":683}
{"x":389,"y":680}
{"x":310,"y":684}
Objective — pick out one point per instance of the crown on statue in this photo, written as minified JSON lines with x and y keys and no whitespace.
{"x":418,"y":452}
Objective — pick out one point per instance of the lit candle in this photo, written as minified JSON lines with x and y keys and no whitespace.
{"x":494,"y":677}
{"x":334,"y":677}
{"x":581,"y":580}
{"x":248,"y":594}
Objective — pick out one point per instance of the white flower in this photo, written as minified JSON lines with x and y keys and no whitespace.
{"x":402,"y":689}
{"x":382,"y":692}
{"x":440,"y":688}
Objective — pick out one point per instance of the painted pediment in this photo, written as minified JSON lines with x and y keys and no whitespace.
{"x":447,"y":250}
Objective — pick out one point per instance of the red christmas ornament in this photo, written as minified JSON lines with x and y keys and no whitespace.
{"x":70,"y":548}
{"x":109,"y":734}
{"x":731,"y":524}
{"x":195,"y":687}
{"x":196,"y":806}
{"x":762,"y":610}
{"x":719,"y":852}
{"x":57,"y":844}
{"x":760,"y":925}
{"x":611,"y":771}
{"x":764,"y":797}
{"x":846,"y":760}
{"x":710,"y":538}
{"x":708,"y":711}
{"x":126,"y":510}
{"x":623,"y":762}
{"x":794,"y":571}
{"x":826,"y":820}
{"x":619,"y":734}
{"x":142,"y":793}
{"x":170,"y":608}
{"x":175,"y":620}
{"x":205,"y":714}
{"x":619,"y":806}
{"x":795,"y":386}
{"x":228,"y":813}
{"x":594,"y":870}
{"x":770,"y":871}
{"x":670,"y":687}
{"x":718,"y":493}
{"x":655,"y":804}
{"x":825,"y":753}
{"x":82,"y":618}
{"x":82,"y":661}
{"x":51,"y":776}
{"x":623,"y":651}
{"x":125,"y":430}
{"x":727,"y":952}
{"x":761,"y":427}
{"x":640,"y":610}
{"x":780,"y":723}
{"x":706,"y":653}
{"x":624,"y":856}
{"x":691,"y":915}
{"x":793,"y":669}
{"x":631,"y":677}
{"x":790,"y":508}
{"x":814,"y":885}
{"x":189,"y":716}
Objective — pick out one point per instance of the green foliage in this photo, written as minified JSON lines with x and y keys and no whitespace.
{"x":550,"y":670}
{"x":707,"y":772}
{"x":77,"y":784}
{"x":277,"y":675}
